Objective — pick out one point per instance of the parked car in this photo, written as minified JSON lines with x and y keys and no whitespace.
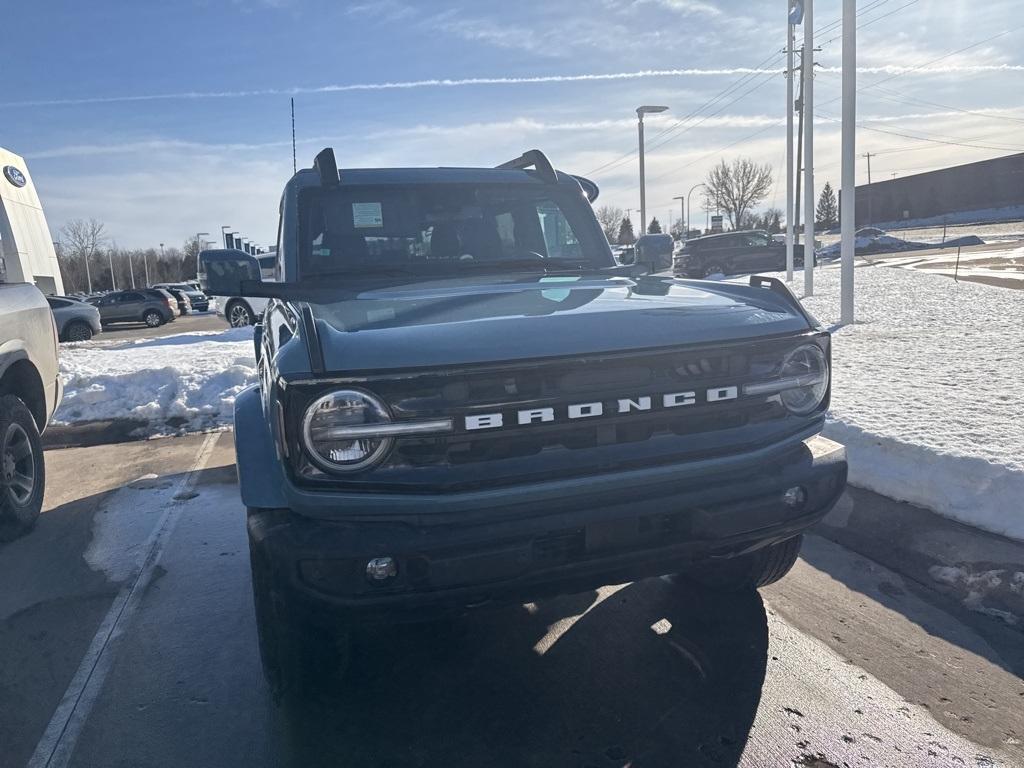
{"x":654,"y":251}
{"x":734,"y":253}
{"x":30,"y":390}
{"x":152,"y":306}
{"x":463,"y":400}
{"x":197,"y":300}
{"x":184,"y":304}
{"x":76,"y":320}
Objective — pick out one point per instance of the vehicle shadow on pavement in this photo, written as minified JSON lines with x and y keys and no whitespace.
{"x":920,"y":604}
{"x":656,"y":673}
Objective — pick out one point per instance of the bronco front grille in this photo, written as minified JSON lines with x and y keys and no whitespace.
{"x":564,"y":447}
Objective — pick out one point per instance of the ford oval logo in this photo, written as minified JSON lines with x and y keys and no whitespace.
{"x":15,"y":176}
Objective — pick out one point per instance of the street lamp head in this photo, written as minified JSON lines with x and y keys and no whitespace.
{"x":649,"y":110}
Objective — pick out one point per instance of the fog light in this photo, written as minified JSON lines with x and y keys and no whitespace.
{"x":794,"y":497}
{"x":381,"y":569}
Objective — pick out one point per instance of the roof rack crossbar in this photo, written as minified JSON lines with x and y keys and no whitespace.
{"x":533,"y":158}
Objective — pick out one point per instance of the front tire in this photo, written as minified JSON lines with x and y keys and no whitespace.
{"x":238,"y":314}
{"x":153,"y":319}
{"x":22,"y":470}
{"x":714,"y":268}
{"x":750,"y":571}
{"x":299,"y":658}
{"x":78,"y":331}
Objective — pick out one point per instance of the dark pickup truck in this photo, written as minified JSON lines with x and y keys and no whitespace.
{"x":464,"y":401}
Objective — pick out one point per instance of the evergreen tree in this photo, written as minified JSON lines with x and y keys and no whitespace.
{"x":654,"y":228}
{"x":827,"y":214}
{"x":626,"y":236}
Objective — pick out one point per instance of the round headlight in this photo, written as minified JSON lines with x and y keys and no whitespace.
{"x":338,"y":430}
{"x":807,"y":368}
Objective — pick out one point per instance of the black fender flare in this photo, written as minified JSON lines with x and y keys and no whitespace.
{"x":261,"y":475}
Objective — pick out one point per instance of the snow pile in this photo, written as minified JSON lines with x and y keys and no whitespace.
{"x":927,"y":392}
{"x":188,"y":381}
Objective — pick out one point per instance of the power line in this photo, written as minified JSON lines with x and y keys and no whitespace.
{"x":869,"y":85}
{"x":876,"y":19}
{"x":900,"y":98}
{"x":653,"y":143}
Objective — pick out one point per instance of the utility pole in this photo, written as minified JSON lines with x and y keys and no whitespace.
{"x":868,"y":156}
{"x":799,"y":144}
{"x":848,"y":215}
{"x":808,"y":104}
{"x":640,"y":112}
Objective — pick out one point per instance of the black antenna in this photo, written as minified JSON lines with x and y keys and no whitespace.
{"x":295,"y":166}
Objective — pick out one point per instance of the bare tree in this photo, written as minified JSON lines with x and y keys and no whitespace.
{"x":610,"y":219}
{"x":81,"y":244}
{"x":735,"y":189}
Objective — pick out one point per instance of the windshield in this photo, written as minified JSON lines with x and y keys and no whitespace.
{"x":444,"y":228}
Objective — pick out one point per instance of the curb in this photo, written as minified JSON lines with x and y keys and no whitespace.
{"x":982,"y":571}
{"x":90,"y":433}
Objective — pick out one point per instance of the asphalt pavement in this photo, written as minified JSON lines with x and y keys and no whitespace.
{"x":127,"y":639}
{"x":200,"y":321}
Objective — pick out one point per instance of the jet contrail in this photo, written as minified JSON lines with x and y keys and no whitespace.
{"x":471,"y":81}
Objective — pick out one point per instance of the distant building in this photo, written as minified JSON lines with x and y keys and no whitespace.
{"x":25,"y":243}
{"x":977,"y":187}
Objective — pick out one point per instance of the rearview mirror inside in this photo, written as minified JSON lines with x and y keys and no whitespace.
{"x":224,"y":271}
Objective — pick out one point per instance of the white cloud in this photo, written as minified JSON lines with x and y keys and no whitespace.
{"x":687,"y":7}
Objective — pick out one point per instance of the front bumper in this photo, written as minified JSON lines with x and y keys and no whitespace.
{"x":491,"y":557}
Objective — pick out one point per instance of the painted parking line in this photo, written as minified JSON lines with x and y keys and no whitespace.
{"x":58,"y":741}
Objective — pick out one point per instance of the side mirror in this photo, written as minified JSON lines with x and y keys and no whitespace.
{"x":224,"y":271}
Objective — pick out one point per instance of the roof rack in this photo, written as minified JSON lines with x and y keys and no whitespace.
{"x":327,"y":167}
{"x":533,"y":158}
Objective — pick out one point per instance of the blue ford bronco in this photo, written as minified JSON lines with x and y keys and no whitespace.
{"x":465,"y":401}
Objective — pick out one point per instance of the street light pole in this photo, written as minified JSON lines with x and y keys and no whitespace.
{"x":110,"y":259}
{"x":682,"y":213}
{"x":689,"y":220}
{"x":145,"y":263}
{"x":808,"y":73}
{"x":640,"y":112}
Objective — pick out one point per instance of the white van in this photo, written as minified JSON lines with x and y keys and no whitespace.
{"x":240,"y":312}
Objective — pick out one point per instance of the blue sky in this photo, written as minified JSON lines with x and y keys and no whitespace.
{"x":164,"y":119}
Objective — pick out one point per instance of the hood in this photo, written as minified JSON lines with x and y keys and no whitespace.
{"x":483,"y":319}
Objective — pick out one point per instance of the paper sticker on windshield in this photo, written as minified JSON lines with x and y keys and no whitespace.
{"x":367,"y":216}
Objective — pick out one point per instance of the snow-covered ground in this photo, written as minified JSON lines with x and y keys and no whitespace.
{"x":184,"y":382}
{"x":927,"y":391}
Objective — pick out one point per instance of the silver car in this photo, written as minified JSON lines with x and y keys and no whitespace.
{"x":76,"y":320}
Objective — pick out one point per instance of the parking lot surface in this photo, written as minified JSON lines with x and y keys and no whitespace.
{"x":203,"y":321}
{"x":128,"y":639}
